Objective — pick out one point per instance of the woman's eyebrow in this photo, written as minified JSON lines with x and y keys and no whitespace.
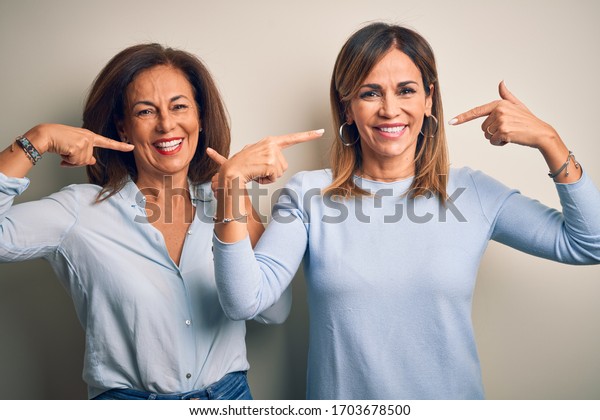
{"x":150,"y":103}
{"x":377,"y":86}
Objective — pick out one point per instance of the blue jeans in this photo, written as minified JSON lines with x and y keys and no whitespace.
{"x":233,"y":386}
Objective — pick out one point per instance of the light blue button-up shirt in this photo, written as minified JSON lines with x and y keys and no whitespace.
{"x":149,"y":324}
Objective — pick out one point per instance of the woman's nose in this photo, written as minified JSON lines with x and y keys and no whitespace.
{"x":165,"y":122}
{"x":390,"y":106}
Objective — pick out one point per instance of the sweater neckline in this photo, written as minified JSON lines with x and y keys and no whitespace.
{"x":397,"y":187}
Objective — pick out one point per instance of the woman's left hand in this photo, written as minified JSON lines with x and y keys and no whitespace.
{"x":509,"y":121}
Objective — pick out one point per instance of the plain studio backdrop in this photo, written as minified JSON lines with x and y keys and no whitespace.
{"x":537,"y":322}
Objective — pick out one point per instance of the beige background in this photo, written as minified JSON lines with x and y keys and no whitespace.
{"x":537,"y":322}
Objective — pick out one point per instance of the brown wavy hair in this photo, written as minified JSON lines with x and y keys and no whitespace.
{"x":361,"y":52}
{"x":105,"y":108}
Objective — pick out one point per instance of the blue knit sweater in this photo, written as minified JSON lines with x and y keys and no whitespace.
{"x":390,"y":279}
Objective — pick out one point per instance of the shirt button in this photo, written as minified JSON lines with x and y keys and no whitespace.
{"x":189,"y":375}
{"x":189,"y":232}
{"x":188,"y":322}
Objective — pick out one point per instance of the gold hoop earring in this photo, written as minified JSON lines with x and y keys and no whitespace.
{"x":341,"y":131}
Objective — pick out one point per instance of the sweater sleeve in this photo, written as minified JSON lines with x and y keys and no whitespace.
{"x":249,"y":282}
{"x":33,"y":229}
{"x":571,"y":236}
{"x":279,"y":311}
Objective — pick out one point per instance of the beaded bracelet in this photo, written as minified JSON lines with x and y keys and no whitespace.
{"x":565,"y":166}
{"x":31,"y":152}
{"x":233,"y":219}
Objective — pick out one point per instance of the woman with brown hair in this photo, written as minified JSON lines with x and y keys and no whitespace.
{"x":391,"y":237}
{"x":133,"y":247}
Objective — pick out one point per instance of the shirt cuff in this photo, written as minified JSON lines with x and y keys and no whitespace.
{"x":13,"y":186}
{"x":221,"y":244}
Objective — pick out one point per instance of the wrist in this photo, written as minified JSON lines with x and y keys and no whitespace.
{"x":229,"y":177}
{"x":38,"y":136}
{"x":550,"y":142}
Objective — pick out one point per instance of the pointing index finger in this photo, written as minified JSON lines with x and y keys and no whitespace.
{"x":295,"y":138}
{"x":107,"y":143}
{"x":474,"y":113}
{"x":216,"y":156}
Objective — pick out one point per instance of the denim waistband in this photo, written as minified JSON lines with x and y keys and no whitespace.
{"x":207,"y":393}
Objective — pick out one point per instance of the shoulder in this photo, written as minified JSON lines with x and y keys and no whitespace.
{"x":82,"y":193}
{"x":466,"y":176}
{"x":301,"y":187}
{"x":82,"y":189}
{"x":79,"y":199}
{"x":307,"y":180}
{"x":479,"y":189}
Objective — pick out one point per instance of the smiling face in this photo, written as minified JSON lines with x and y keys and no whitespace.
{"x":388,"y":111}
{"x":162,"y":121}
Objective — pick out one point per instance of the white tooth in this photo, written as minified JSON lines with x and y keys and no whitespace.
{"x":392,"y":129}
{"x":169,"y":144}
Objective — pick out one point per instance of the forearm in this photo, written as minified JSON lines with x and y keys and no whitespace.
{"x":571,"y":236}
{"x":279,"y":311}
{"x":250,"y":281}
{"x":239,"y":279}
{"x":9,"y":189}
{"x":34,"y":229}
{"x":233,"y":210}
{"x":14,"y":160}
{"x":255,"y":225}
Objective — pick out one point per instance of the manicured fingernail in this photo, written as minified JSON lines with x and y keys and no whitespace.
{"x":453,"y":121}
{"x":320,"y":131}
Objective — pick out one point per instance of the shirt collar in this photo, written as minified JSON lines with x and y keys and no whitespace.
{"x":198,"y":192}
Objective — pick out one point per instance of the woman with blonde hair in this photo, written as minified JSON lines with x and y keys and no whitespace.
{"x":391,"y":237}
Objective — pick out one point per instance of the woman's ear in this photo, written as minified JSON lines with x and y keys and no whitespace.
{"x":349,"y":117}
{"x":121,"y":131}
{"x":429,"y":100}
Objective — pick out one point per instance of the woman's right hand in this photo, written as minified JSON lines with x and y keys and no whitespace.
{"x":74,"y":145}
{"x":263,"y":161}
